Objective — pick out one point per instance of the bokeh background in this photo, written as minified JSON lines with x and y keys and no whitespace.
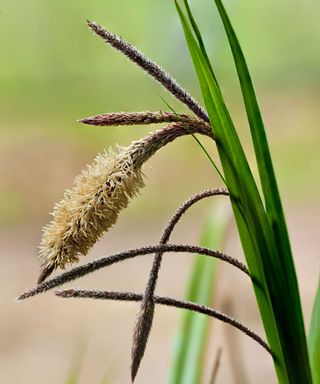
{"x":53,"y":71}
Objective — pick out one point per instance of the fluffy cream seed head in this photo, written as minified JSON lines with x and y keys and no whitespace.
{"x":90,"y":208}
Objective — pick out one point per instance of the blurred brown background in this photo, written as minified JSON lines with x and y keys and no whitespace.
{"x":54,"y":71}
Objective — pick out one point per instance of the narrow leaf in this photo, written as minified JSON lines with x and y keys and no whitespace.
{"x":257,"y":236}
{"x":296,"y":339}
{"x":314,"y":339}
{"x":191,"y":344}
{"x":199,"y":37}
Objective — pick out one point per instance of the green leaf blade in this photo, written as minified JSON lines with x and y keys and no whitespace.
{"x":297,"y":345}
{"x":188,"y":361}
{"x":314,"y":339}
{"x":276,"y":291}
{"x":241,"y":188}
{"x":199,"y":37}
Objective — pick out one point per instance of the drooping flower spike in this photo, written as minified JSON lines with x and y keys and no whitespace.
{"x":92,"y":206}
{"x":145,"y":317}
{"x":163,"y":300}
{"x":104,"y":188}
{"x":83,"y":270}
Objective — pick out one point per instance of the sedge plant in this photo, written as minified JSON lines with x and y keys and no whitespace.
{"x":105,"y":187}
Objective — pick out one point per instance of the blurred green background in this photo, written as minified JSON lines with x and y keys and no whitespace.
{"x":53,"y":71}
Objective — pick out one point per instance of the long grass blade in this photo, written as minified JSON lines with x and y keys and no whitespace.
{"x":197,"y":33}
{"x":297,"y":351}
{"x":258,"y":239}
{"x":314,"y":339}
{"x":188,"y":361}
{"x":230,"y":167}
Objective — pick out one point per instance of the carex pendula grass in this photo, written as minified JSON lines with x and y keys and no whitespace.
{"x":106,"y":186}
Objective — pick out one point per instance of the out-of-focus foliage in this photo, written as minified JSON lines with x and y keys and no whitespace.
{"x":54,"y":71}
{"x":314,"y":338}
{"x":189,"y":360}
{"x":51,"y":65}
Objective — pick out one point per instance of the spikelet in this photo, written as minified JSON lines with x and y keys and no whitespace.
{"x":150,"y":67}
{"x":90,"y":208}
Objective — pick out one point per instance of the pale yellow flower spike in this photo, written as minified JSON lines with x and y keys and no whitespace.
{"x":90,"y":208}
{"x":103,"y":189}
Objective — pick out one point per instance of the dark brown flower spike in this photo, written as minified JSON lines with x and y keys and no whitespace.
{"x":168,"y":301}
{"x":83,"y":270}
{"x":145,"y":316}
{"x":138,"y":118}
{"x":153,"y":69}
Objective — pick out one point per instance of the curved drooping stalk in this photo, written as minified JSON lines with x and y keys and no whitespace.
{"x":164,"y":300}
{"x":145,"y":316}
{"x":83,"y":270}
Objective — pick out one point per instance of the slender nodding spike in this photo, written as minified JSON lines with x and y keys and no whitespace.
{"x":137,"y":118}
{"x":82,"y":270}
{"x":145,"y":317}
{"x":153,"y":69}
{"x":98,"y":195}
{"x":168,"y":301}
